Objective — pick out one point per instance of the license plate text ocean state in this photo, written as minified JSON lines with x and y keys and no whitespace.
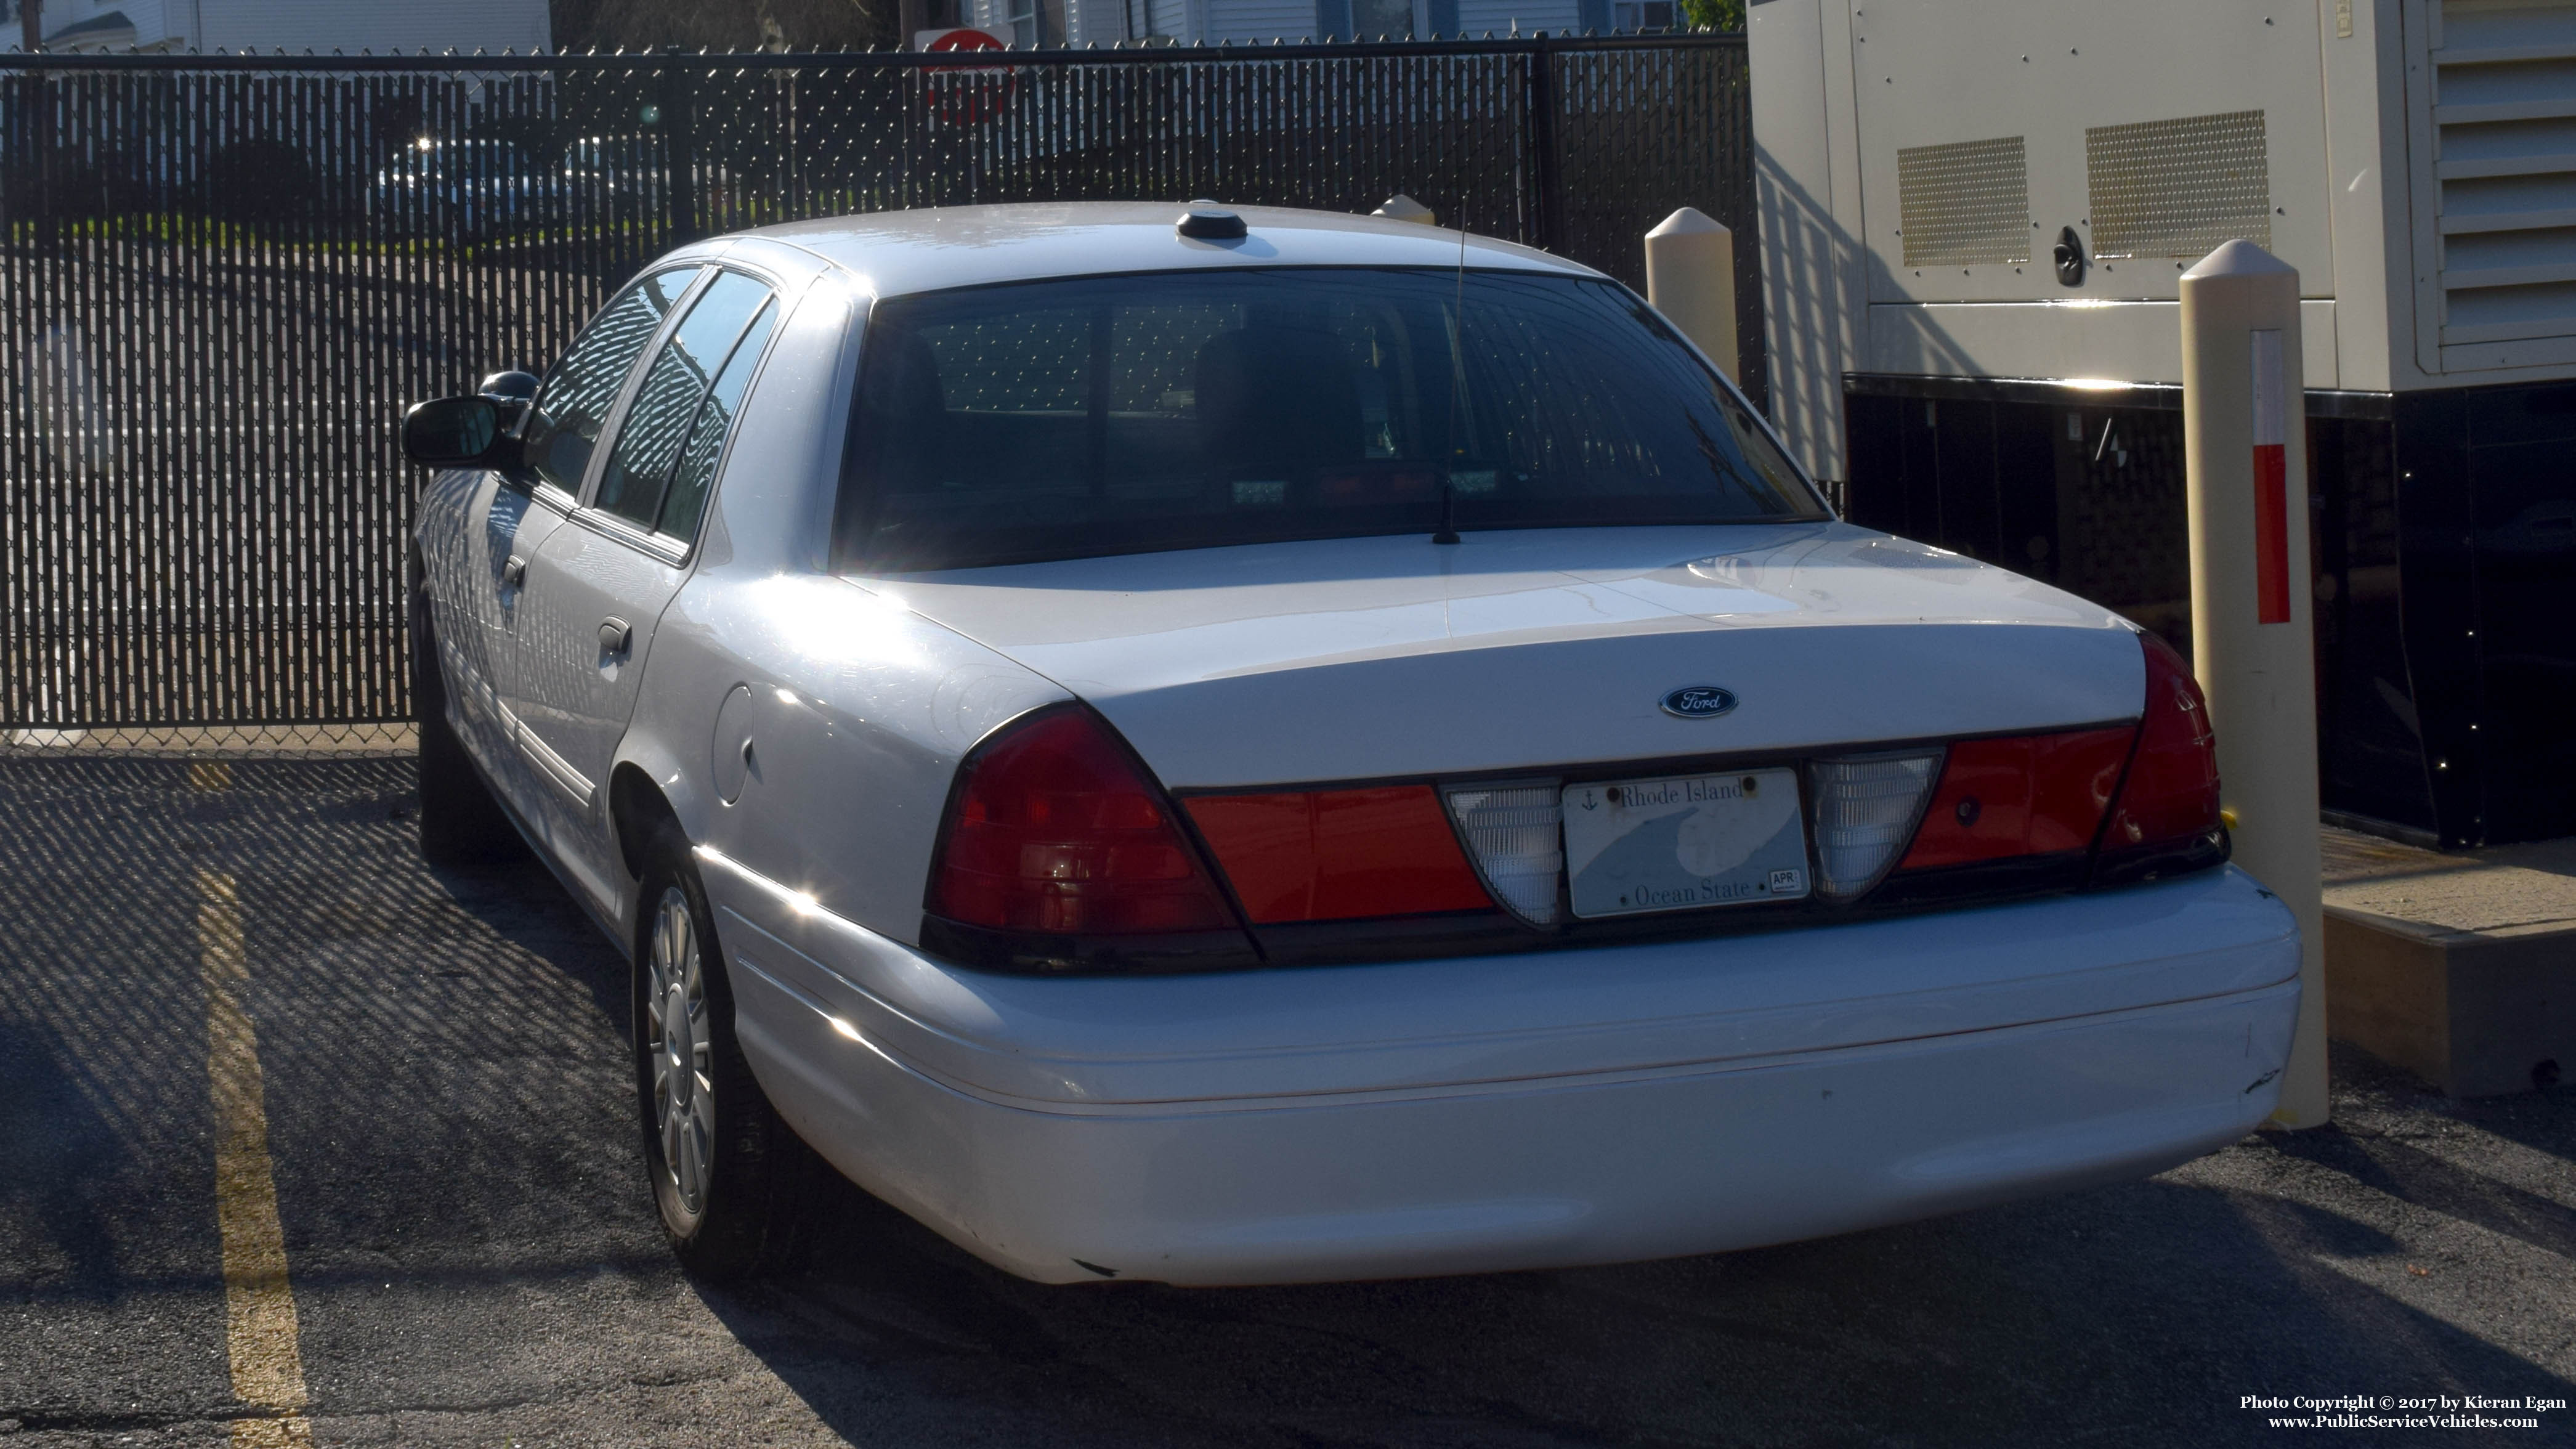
{"x":1684,"y":842}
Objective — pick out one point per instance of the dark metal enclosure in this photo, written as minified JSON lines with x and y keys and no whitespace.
{"x":2442,"y":530}
{"x":222,"y":278}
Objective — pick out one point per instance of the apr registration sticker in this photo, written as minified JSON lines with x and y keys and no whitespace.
{"x":1686,"y":842}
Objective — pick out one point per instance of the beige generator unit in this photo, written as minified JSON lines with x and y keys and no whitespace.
{"x":1974,"y":217}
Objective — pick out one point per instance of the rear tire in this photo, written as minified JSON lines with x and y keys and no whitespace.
{"x":731,"y":1180}
{"x":460,"y":822}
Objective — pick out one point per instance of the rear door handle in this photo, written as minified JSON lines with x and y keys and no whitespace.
{"x":515,"y":572}
{"x":615,"y":636}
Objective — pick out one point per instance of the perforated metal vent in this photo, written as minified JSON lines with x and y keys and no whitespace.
{"x":1965,"y":202}
{"x":2502,"y":185}
{"x":2178,"y":188}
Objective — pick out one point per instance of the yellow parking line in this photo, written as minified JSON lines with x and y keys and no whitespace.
{"x":259,"y":1306}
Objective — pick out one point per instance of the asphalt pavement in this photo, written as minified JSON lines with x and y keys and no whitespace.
{"x":473,"y":1258}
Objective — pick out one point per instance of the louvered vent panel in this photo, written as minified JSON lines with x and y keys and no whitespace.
{"x":2178,"y":188}
{"x":1965,"y":202}
{"x":2504,"y":118}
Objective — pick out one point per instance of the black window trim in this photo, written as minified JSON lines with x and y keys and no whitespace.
{"x":530,"y":482}
{"x":614,"y":422}
{"x":668,"y":547}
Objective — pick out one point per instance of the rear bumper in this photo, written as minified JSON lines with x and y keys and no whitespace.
{"x":1476,"y":1143}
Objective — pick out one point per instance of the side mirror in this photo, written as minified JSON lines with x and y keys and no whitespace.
{"x":454,"y":432}
{"x":515,"y":392}
{"x":512,"y":386}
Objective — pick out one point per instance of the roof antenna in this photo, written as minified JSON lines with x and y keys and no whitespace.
{"x":1448,"y":532}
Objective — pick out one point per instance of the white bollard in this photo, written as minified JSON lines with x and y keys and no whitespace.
{"x":1690,"y":278}
{"x":2244,"y":422}
{"x":1401,"y":207}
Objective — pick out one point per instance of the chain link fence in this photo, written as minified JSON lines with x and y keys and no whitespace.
{"x":222,"y":279}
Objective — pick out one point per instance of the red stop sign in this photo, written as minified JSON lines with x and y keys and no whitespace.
{"x":966,"y":95}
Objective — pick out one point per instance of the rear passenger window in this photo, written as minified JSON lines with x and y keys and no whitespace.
{"x":578,"y":393}
{"x":686,"y":499}
{"x":649,"y":440}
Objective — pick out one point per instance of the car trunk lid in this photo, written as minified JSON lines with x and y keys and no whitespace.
{"x":1392,"y":657}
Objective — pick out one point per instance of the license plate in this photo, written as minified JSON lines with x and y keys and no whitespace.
{"x":1684,"y":842}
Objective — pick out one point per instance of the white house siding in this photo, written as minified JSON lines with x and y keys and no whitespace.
{"x":1475,"y":17}
{"x":1244,"y":20}
{"x":146,"y":15}
{"x":375,"y":25}
{"x":1104,"y":22}
{"x":1097,"y":22}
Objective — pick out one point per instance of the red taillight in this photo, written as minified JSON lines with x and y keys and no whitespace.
{"x":1054,"y":829}
{"x":2171,"y":796}
{"x":1331,"y":855}
{"x":2040,"y":795}
{"x":2034,"y":795}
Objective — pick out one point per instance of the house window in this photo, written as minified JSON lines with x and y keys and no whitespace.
{"x":1036,"y":22}
{"x":1393,"y":19}
{"x":1641,"y":14}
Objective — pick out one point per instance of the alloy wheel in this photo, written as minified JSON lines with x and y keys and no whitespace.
{"x":676,"y":1037}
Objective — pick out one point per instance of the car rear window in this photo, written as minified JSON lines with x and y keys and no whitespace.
{"x":1102,"y":415}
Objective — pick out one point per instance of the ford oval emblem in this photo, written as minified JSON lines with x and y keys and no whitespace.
{"x":1698,"y":701}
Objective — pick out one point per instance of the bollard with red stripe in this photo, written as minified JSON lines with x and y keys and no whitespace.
{"x":2271,"y":479}
{"x":2245,"y":451}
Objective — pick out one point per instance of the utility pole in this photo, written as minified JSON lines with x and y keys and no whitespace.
{"x":31,"y":25}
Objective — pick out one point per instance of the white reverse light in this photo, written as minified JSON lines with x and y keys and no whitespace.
{"x":1516,"y":834}
{"x":1866,"y":809}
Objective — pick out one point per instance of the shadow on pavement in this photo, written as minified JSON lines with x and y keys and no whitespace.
{"x":62,"y":1149}
{"x":2413,"y":1175}
{"x":2137,"y":1314}
{"x":470,"y":1235}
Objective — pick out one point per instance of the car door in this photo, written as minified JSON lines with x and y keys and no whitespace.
{"x":602,"y":580}
{"x":471,"y":525}
{"x":529,"y":507}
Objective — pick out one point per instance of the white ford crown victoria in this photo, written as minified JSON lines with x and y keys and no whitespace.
{"x":1252,"y":748}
